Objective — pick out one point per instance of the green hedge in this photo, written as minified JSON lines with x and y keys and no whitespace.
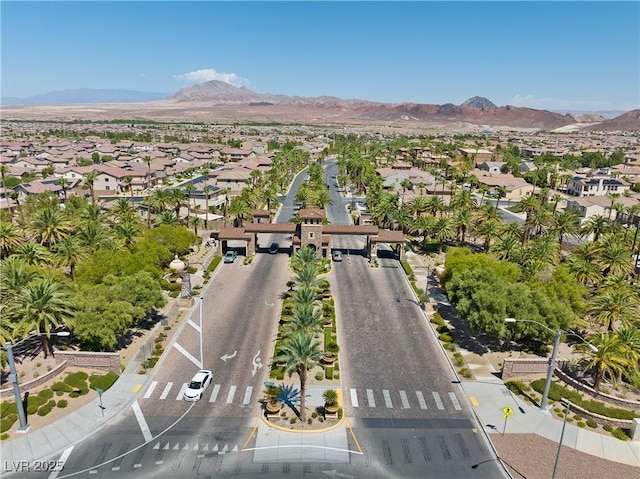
{"x":445,"y":338}
{"x":620,"y":434}
{"x":7,"y":422}
{"x":328,"y":372}
{"x":437,"y":319}
{"x":104,"y":381}
{"x":407,"y":267}
{"x":62,"y":403}
{"x":214,"y":264}
{"x":45,"y":394}
{"x":77,"y":380}
{"x":61,"y":387}
{"x":557,"y":392}
{"x":8,"y":408}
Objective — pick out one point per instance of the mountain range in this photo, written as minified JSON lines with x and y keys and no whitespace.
{"x":219,"y":101}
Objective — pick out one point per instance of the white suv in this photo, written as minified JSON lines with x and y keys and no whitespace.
{"x":198,"y":385}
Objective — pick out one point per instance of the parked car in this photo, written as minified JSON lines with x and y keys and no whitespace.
{"x":230,"y":256}
{"x":337,"y":255}
{"x":273,"y":249}
{"x":198,"y":385}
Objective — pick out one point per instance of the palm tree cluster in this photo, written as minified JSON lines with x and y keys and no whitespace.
{"x":314,"y":193}
{"x":300,"y":349}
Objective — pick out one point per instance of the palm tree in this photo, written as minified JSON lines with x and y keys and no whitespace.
{"x":483,"y":189}
{"x":612,"y":307}
{"x":505,"y":247}
{"x":68,"y":253}
{"x":43,"y":306}
{"x":405,"y":185}
{"x":89,"y":180}
{"x":63,"y":182}
{"x":176,"y":198}
{"x":610,"y":360}
{"x":93,"y":236}
{"x":629,"y":335}
{"x":300,"y":352}
{"x":306,"y":296}
{"x":462,"y":221}
{"x":435,"y":204}
{"x":10,"y":238}
{"x":614,"y":256}
{"x":566,"y":222}
{"x":489,"y":230}
{"x":128,"y":228}
{"x":304,"y":256}
{"x":596,"y":225}
{"x":49,"y":225}
{"x":15,"y":274}
{"x":306,"y":318}
{"x":196,"y":221}
{"x":190,"y":189}
{"x":307,"y":277}
{"x":240,"y":210}
{"x":122,"y":208}
{"x":166,"y":218}
{"x":584,"y":270}
{"x":33,"y":253}
{"x":127,"y":181}
{"x":443,"y":231}
{"x":502,"y":193}
{"x":205,"y":174}
{"x":4,"y":169}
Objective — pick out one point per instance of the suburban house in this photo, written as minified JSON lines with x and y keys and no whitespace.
{"x":30,"y":163}
{"x":394,"y":176}
{"x":42,"y":186}
{"x":516,"y":188}
{"x":235,"y":179}
{"x":491,"y":166}
{"x":235,"y":154}
{"x":595,"y":186}
{"x":478,"y":155}
{"x":588,"y":206}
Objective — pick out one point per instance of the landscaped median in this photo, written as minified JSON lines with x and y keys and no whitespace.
{"x":306,"y":345}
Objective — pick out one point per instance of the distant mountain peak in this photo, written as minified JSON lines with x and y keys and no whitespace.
{"x":478,"y":102}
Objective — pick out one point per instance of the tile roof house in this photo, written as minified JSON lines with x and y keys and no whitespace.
{"x":516,"y":188}
{"x":595,"y":186}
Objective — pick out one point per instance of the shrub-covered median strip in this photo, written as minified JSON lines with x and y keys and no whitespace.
{"x":74,"y":385}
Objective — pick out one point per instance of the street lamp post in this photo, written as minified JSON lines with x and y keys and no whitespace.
{"x":566,"y":404}
{"x":554,"y":353}
{"x":13,"y":377}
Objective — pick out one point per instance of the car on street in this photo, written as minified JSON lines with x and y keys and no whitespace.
{"x":337,"y":255}
{"x":273,"y":249}
{"x":230,"y":256}
{"x":198,"y":385}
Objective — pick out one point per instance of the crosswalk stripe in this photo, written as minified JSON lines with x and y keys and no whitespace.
{"x":165,"y":391}
{"x":354,"y":397}
{"x":439,"y":404}
{"x":182,"y":390}
{"x":456,"y":403}
{"x":421,"y":401}
{"x":370,"y":398}
{"x":149,"y":392}
{"x":404,"y":399}
{"x":387,"y":398}
{"x":247,"y":395}
{"x":232,"y":392}
{"x":214,"y":394}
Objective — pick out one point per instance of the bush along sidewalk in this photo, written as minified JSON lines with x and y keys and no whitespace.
{"x":445,"y":337}
{"x":558,"y":392}
{"x":74,"y":385}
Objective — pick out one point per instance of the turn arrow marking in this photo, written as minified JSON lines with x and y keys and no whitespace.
{"x":226,"y":356}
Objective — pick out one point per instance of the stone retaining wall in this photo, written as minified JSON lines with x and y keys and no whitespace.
{"x":527,"y":368}
{"x":620,"y":402}
{"x":623,"y":423}
{"x":8,"y":394}
{"x":90,"y":360}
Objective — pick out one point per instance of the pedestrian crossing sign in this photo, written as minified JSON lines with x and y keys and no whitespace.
{"x":507,"y":410}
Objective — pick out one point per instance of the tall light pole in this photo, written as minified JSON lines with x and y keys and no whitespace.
{"x":567,"y":405}
{"x":554,"y":353}
{"x":13,"y":377}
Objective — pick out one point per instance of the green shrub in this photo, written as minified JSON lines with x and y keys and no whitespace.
{"x":592,"y":424}
{"x":4,"y":436}
{"x":45,"y":394}
{"x":450,"y":346}
{"x":76,"y":380}
{"x":44,"y":410}
{"x":620,"y":433}
{"x":458,"y":359}
{"x":319,"y":376}
{"x":7,"y":408}
{"x":465,"y":373}
{"x":329,"y":373}
{"x":569,"y":419}
{"x":7,"y":422}
{"x":62,"y":403}
{"x":443,"y":329}
{"x":518,"y":387}
{"x":577,"y":417}
{"x":61,"y":387}
{"x":437,"y":319}
{"x":604,"y":410}
{"x":580,"y":424}
{"x":340,"y":413}
{"x":104,"y":381}
{"x":607,"y":428}
{"x":407,"y":268}
{"x":445,"y":338}
{"x":293,"y":420}
{"x":557,"y":392}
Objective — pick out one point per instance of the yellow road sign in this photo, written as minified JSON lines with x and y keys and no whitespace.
{"x":507,"y":410}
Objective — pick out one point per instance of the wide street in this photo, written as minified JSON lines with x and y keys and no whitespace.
{"x":406,"y":415}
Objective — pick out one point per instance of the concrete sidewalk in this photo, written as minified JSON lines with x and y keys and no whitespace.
{"x":488,"y":396}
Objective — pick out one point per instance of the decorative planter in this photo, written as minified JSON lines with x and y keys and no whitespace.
{"x":273,"y":408}
{"x":328,"y":359}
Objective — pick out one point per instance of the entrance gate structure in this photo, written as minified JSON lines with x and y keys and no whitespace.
{"x":311,"y":232}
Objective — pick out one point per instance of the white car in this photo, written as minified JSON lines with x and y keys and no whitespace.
{"x":198,"y":385}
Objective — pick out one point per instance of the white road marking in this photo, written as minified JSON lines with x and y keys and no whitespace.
{"x":232,"y":392}
{"x":188,"y":355}
{"x":247,"y":395}
{"x":142,"y":422}
{"x":421,"y":401}
{"x":149,"y":392}
{"x":354,"y":397}
{"x":214,"y":394}
{"x":165,"y":391}
{"x":387,"y":398}
{"x":181,"y":392}
{"x":370,"y":398}
{"x":194,"y":325}
{"x":159,"y":463}
{"x":404,"y":399}
{"x":63,"y":458}
{"x":456,"y":403}
{"x":439,"y":404}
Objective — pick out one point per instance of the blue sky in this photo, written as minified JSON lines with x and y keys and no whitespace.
{"x":550,"y":55}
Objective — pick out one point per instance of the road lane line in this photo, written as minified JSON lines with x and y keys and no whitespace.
{"x":387,"y":398}
{"x":136,"y":388}
{"x":354,"y":397}
{"x":253,"y":431}
{"x":439,"y":404}
{"x":456,"y":403}
{"x":232,"y":392}
{"x":144,"y":427}
{"x":194,"y":325}
{"x":149,"y":392}
{"x":404,"y":399}
{"x":165,"y":391}
{"x":214,"y":394}
{"x":182,"y":390}
{"x":60,"y":464}
{"x":247,"y":395}
{"x":188,"y":355}
{"x":421,"y":401}
{"x":474,"y":401}
{"x":370,"y":398}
